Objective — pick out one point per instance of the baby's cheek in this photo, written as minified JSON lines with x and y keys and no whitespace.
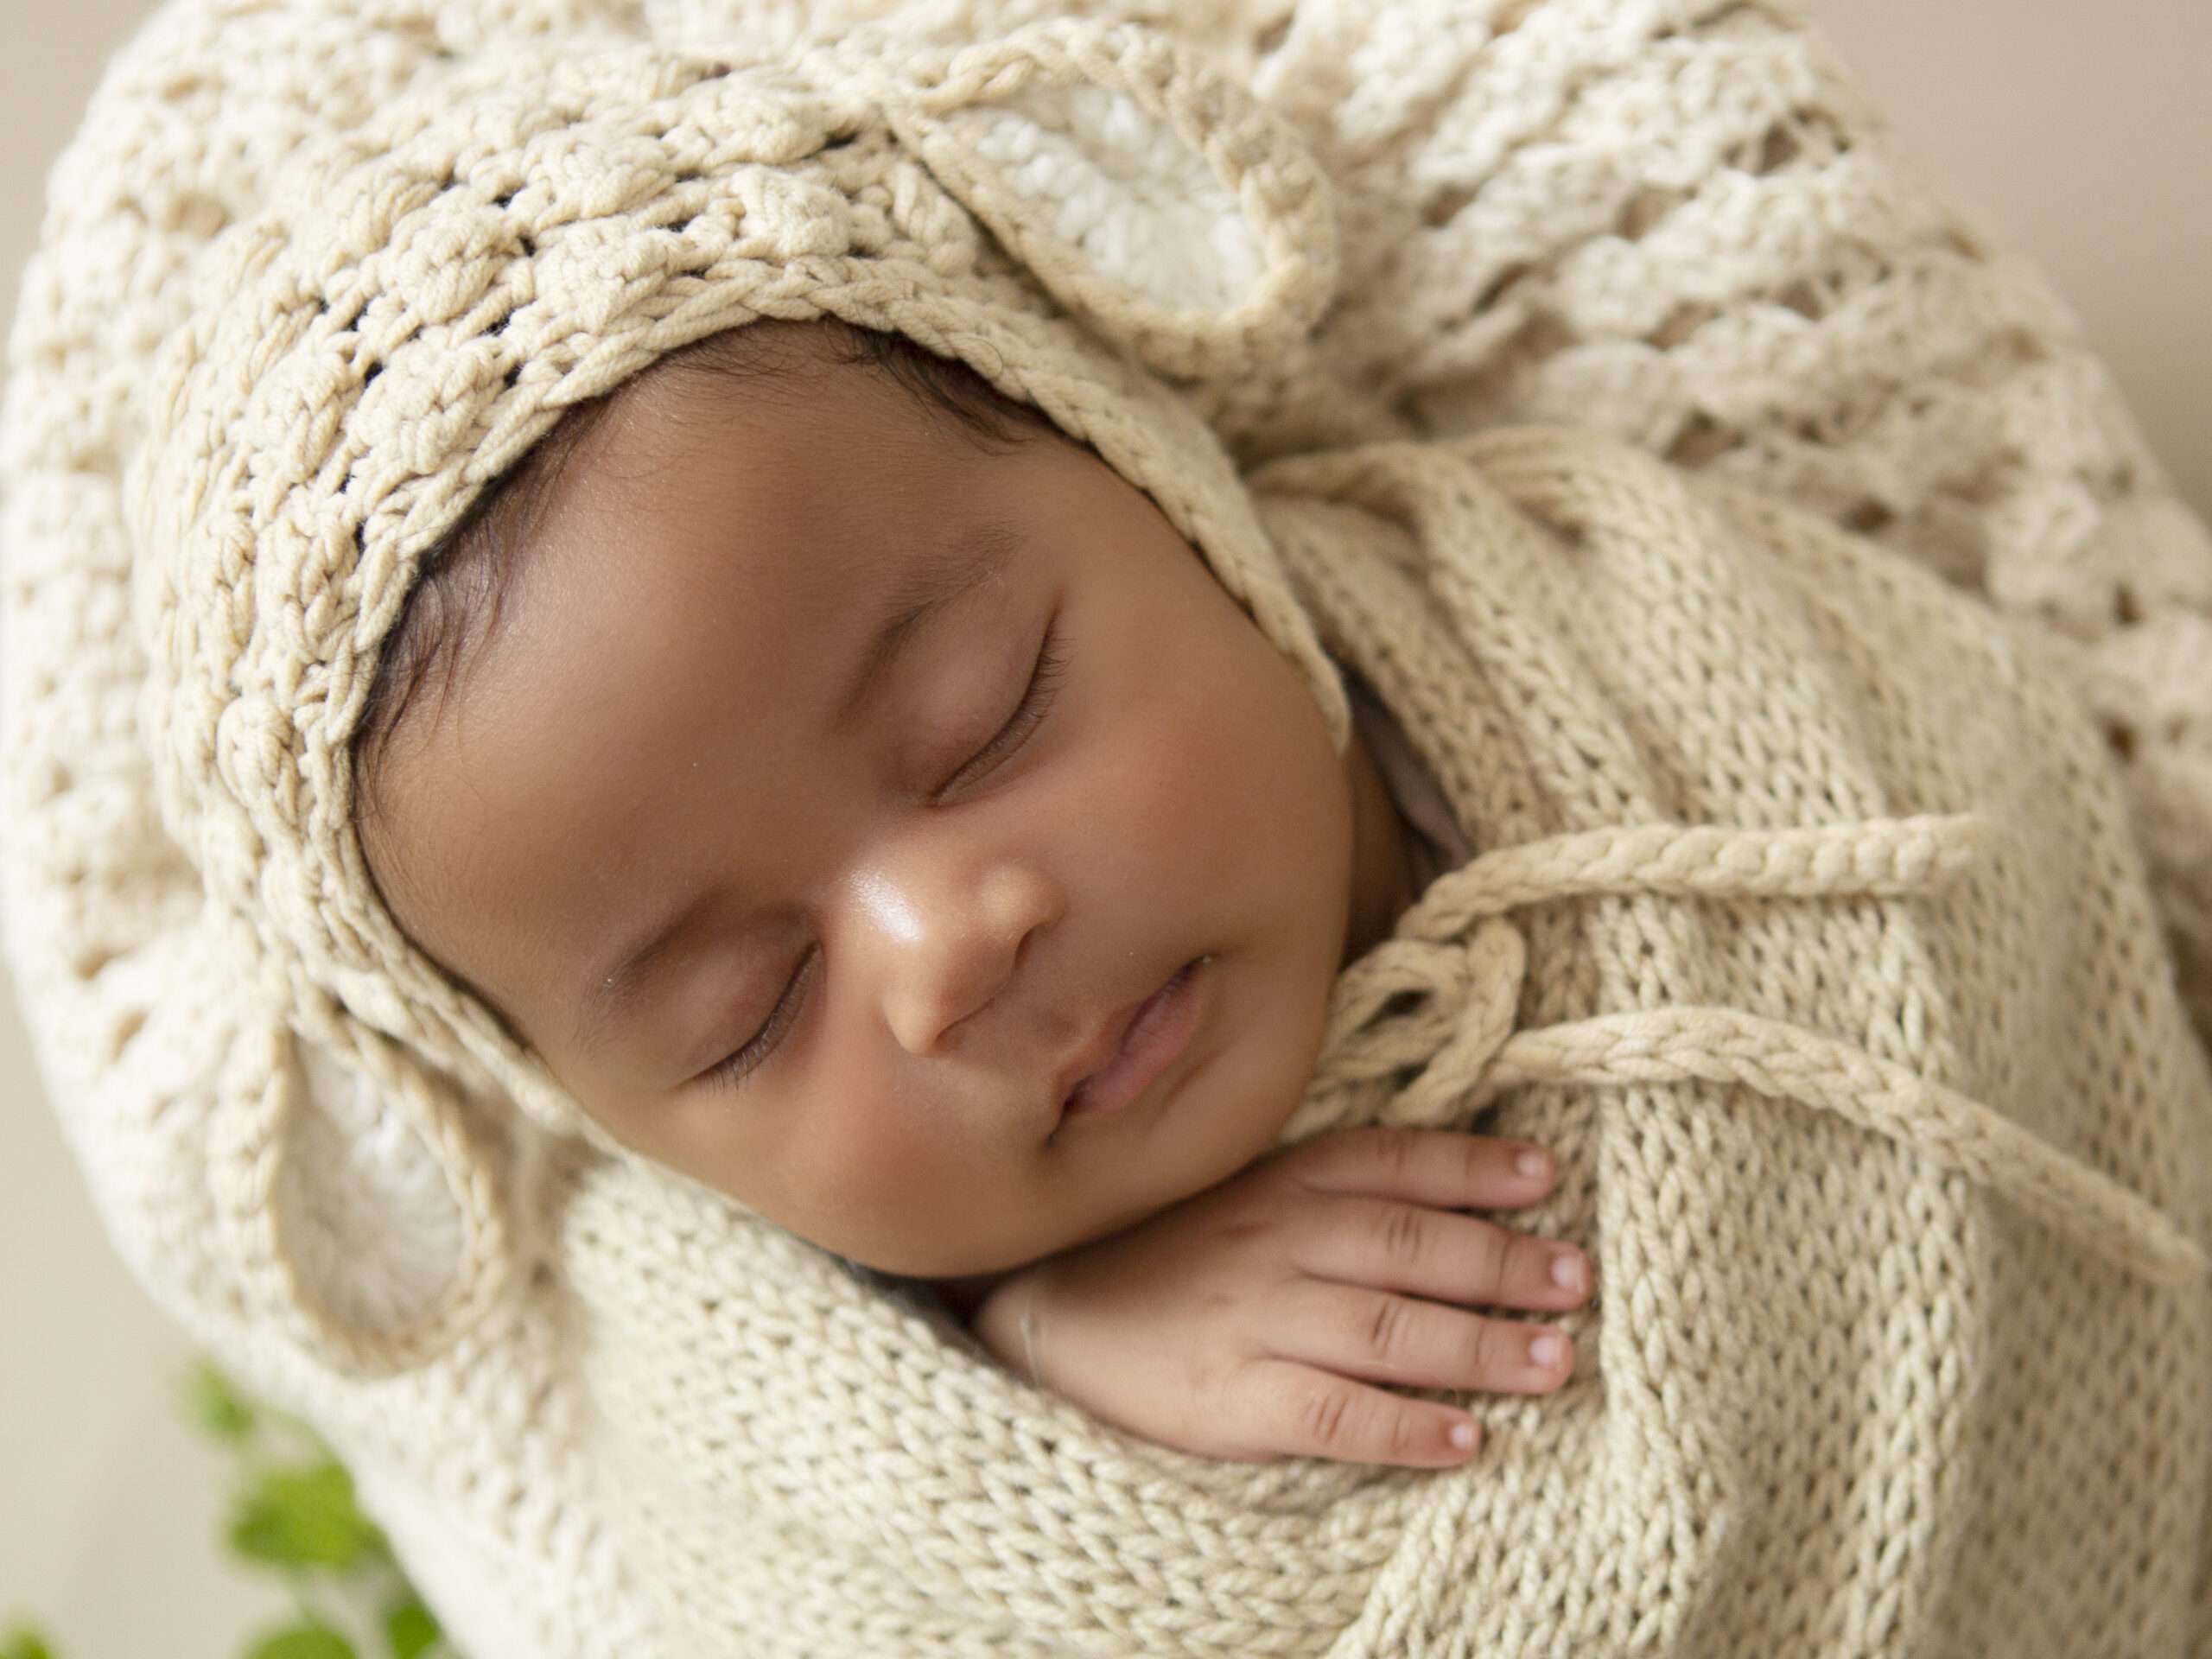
{"x":895,"y":1185}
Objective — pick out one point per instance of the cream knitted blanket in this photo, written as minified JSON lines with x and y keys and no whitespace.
{"x":1808,"y":928}
{"x":1792,"y":861}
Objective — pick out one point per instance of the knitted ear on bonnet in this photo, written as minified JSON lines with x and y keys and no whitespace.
{"x":1081,"y":213}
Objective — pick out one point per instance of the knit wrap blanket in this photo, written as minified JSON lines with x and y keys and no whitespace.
{"x":1831,"y":720}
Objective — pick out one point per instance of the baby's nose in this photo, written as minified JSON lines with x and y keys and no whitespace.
{"x":946,"y":951}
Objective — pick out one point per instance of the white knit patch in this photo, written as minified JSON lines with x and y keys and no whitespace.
{"x":373,"y":1228}
{"x":1113,"y":180}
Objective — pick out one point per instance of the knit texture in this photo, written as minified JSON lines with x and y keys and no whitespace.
{"x":1809,"y":926}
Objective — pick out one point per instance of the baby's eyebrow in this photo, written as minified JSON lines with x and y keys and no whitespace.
{"x":923,"y":590}
{"x":620,"y":989}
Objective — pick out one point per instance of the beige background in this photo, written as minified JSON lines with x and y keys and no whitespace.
{"x":2075,"y":130}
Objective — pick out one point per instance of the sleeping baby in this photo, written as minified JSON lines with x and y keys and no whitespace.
{"x":914,"y":841}
{"x":956,"y":940}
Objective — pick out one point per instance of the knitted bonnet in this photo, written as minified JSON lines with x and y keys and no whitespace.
{"x":1082,"y":213}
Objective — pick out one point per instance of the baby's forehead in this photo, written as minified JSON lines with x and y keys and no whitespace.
{"x":713,"y":558}
{"x":821,"y":442}
{"x":674,"y":414}
{"x":788,"y":465}
{"x":784,"y":458}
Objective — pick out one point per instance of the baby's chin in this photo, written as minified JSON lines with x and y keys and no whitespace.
{"x":936,"y":1257}
{"x":1234,"y":1122}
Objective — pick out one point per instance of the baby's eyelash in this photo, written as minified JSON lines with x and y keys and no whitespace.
{"x":1044,"y":685}
{"x":732,"y":1071}
{"x":1036,"y":703}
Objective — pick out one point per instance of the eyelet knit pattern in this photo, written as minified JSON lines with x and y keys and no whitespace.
{"x":1813,"y":925}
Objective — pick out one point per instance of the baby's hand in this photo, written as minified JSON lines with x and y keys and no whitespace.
{"x":1248,"y":1321}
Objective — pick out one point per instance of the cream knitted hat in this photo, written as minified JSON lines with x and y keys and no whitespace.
{"x":1075,"y":211}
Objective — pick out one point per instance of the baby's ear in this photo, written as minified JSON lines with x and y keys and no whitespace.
{"x":1142,"y":186}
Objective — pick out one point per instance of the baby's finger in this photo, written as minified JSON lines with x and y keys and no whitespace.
{"x":1310,"y":1414}
{"x":1413,"y":1343}
{"x":1440,"y":1254}
{"x":1438,"y":1168}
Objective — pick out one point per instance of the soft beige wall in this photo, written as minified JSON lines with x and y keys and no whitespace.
{"x":2077,"y":129}
{"x":109,"y":1508}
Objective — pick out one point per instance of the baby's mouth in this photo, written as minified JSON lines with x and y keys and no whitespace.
{"x":1145,"y":1042}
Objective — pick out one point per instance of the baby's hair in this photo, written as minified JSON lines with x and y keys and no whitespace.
{"x":455,"y":608}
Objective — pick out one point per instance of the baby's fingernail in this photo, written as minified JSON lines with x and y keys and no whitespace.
{"x":1463,"y":1437}
{"x":1567,"y":1270}
{"x":1532,"y":1164}
{"x":1547,"y":1350}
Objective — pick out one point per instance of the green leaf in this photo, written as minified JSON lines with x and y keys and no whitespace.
{"x":21,"y":1642}
{"x":307,"y":1516}
{"x":311,"y":1639}
{"x":213,"y":1406}
{"x":408,"y":1630}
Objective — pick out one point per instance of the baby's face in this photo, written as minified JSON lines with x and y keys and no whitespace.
{"x":832,"y":919}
